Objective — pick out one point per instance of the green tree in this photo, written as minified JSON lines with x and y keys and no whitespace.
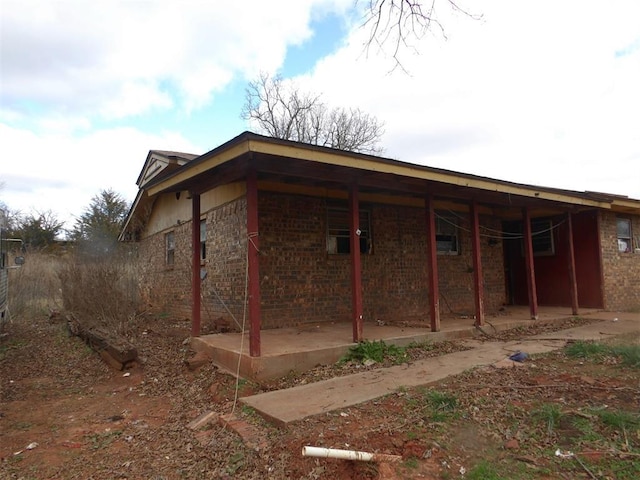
{"x":37,"y":230}
{"x":96,"y":230}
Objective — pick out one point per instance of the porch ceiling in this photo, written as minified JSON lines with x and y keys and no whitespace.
{"x":333,"y":177}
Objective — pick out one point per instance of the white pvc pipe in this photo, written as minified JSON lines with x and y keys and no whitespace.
{"x":348,"y":455}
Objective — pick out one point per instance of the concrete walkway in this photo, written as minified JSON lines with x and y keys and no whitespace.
{"x":297,"y":403}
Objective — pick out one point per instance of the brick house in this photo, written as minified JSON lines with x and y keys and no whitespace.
{"x":282,"y":234}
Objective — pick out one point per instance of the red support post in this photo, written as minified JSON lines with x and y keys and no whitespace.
{"x":528,"y":258}
{"x":573,"y":285}
{"x":599,"y":233}
{"x":195,"y":265}
{"x":356,"y":264}
{"x":253,"y":250}
{"x":477,"y":265}
{"x":432,"y":266}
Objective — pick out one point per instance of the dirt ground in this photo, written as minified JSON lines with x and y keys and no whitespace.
{"x":64,"y":414}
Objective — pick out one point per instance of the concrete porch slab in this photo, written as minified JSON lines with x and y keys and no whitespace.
{"x":282,"y":407}
{"x":302,"y":348}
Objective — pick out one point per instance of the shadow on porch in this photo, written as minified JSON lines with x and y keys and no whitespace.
{"x":304,"y":347}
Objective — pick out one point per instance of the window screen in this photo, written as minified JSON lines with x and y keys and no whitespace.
{"x":447,"y":235}
{"x":623,"y":226}
{"x":170,"y":243}
{"x":338,"y":236}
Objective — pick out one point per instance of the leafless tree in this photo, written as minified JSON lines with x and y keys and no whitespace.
{"x":282,"y":110}
{"x":400,"y":22}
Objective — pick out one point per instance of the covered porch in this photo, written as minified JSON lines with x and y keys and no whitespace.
{"x":265,"y":166}
{"x":302,"y":348}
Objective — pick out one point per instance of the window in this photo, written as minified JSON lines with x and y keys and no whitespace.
{"x":170,"y":243}
{"x":447,"y":235}
{"x":623,"y":226}
{"x":203,"y":240}
{"x":541,"y":237}
{"x":338,"y":231}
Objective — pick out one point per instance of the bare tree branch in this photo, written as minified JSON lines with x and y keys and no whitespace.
{"x":400,"y":22}
{"x":284,"y":111}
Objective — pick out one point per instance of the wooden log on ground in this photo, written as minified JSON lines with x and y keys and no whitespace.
{"x":114,"y":349}
{"x":200,"y":359}
{"x":112,"y":362}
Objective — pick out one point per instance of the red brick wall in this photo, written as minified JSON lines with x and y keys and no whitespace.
{"x":301,"y":282}
{"x":394,"y":277}
{"x":223,"y":289}
{"x":455,"y":272}
{"x":167,"y":288}
{"x":621,"y":270}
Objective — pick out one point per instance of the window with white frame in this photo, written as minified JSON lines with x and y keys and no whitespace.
{"x":203,"y":240}
{"x":170,"y":247}
{"x":447,"y":242}
{"x":623,"y":227}
{"x":338,"y":231}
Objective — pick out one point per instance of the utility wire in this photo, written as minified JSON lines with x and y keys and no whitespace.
{"x":503,"y":235}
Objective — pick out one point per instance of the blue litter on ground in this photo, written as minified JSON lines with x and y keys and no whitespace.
{"x":518,"y":356}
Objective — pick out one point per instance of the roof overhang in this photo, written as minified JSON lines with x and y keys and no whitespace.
{"x":295,"y":161}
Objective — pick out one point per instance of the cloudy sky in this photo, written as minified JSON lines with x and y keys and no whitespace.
{"x":538,"y":92}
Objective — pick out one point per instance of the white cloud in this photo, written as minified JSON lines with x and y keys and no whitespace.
{"x":71,"y":67}
{"x":62,"y":172}
{"x":81,"y":57}
{"x":543,"y":93}
{"x":536,"y":92}
{"x":135,"y":98}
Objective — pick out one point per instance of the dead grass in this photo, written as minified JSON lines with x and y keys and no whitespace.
{"x":34,"y":288}
{"x":99,"y":292}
